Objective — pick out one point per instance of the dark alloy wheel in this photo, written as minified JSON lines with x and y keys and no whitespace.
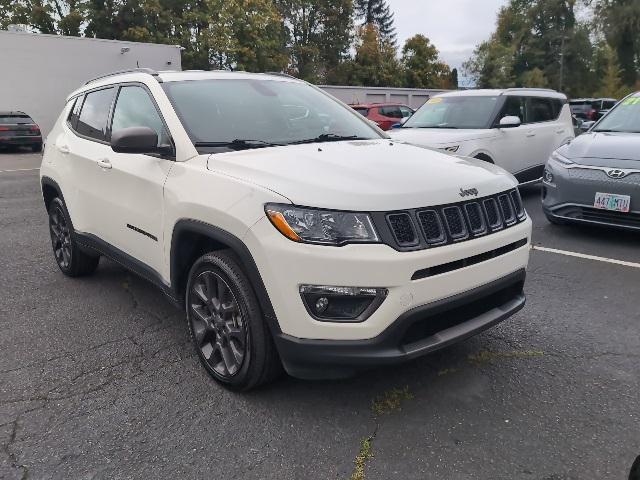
{"x":227,"y":325}
{"x":72,"y":260}
{"x":60,"y":236}
{"x":218,"y":324}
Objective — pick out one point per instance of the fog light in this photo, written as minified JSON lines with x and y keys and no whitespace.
{"x":341,"y":304}
{"x":548,"y":176}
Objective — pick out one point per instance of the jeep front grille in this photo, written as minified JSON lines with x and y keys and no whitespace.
{"x":420,"y":228}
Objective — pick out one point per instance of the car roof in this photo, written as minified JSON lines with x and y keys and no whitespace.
{"x":12,"y":113}
{"x":144,"y":74}
{"x":486,"y":92}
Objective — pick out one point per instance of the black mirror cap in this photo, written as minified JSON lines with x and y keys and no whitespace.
{"x":135,"y":140}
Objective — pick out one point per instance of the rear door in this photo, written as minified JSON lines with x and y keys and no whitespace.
{"x":79,"y":150}
{"x":545,"y":132}
{"x":131,"y":185}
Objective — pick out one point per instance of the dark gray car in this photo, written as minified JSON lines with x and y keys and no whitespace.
{"x":595,"y":178}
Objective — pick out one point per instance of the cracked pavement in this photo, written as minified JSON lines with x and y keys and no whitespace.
{"x":98,"y":379}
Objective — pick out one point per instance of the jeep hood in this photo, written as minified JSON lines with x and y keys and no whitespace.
{"x":372,"y":175}
{"x":438,"y":136}
{"x":604,"y":148}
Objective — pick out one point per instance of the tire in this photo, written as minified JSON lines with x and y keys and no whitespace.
{"x":226,"y":324}
{"x":36,"y":147}
{"x":71,"y":260}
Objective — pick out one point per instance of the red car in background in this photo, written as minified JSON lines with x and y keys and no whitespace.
{"x":385,"y":115}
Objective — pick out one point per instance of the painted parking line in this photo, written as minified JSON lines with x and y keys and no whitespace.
{"x":19,"y":170}
{"x":587,"y":257}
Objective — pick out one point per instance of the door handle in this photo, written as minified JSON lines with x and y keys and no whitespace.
{"x":560,"y":131}
{"x":531,"y":134}
{"x":63,"y":149}
{"x":104,"y":163}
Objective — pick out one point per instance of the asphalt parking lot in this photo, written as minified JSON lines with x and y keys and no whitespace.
{"x":98,"y":379}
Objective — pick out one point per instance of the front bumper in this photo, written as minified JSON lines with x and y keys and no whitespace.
{"x":416,"y":332}
{"x":571,"y":194}
{"x":21,"y":140}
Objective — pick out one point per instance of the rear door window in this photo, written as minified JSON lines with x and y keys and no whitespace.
{"x":15,"y":119}
{"x":94,"y":115}
{"x":406,"y":112}
{"x":608,"y":104}
{"x":362,"y":111}
{"x":540,"y":110}
{"x":391,"y":111}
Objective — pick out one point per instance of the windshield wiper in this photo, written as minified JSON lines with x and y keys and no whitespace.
{"x":328,"y":137}
{"x":239,"y":144}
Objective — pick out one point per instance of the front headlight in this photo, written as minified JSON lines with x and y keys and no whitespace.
{"x":325,"y":227}
{"x":561,"y":159}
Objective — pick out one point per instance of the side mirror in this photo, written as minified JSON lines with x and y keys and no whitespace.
{"x":510,"y":121}
{"x":397,"y":125}
{"x":135,"y":140}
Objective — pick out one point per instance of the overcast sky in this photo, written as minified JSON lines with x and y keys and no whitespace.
{"x":455,"y":27}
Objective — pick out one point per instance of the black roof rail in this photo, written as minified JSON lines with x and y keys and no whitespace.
{"x":150,"y":71}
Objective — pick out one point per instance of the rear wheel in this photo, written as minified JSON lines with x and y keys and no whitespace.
{"x":226,"y":324}
{"x":72,"y":261}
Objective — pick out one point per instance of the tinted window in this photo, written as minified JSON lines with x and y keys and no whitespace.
{"x":540,"y":110}
{"x":362,"y":111}
{"x":472,"y":111}
{"x":75,"y":111}
{"x":94,"y":114}
{"x":607,"y":104}
{"x":270,"y":111}
{"x":406,"y":111}
{"x":514,"y":107}
{"x":15,"y":119}
{"x":391,"y":111}
{"x":134,"y":108}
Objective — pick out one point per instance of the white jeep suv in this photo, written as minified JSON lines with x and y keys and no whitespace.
{"x":292,"y":231}
{"x":515,"y":128}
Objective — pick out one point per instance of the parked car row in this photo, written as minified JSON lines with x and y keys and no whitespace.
{"x":591,"y":108}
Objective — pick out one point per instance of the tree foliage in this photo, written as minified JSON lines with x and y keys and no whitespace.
{"x":542,"y":43}
{"x":323,"y":41}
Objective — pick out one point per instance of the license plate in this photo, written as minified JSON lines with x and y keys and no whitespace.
{"x":611,"y":201}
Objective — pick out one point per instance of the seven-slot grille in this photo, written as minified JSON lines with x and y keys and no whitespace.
{"x":445,"y":224}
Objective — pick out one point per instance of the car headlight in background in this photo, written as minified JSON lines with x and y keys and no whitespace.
{"x":325,"y":227}
{"x":561,"y":159}
{"x":451,"y":149}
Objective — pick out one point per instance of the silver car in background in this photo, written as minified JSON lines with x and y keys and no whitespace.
{"x":595,"y":178}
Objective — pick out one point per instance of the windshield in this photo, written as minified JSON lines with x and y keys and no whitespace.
{"x":624,"y":118}
{"x":245,"y":113}
{"x":454,"y":112}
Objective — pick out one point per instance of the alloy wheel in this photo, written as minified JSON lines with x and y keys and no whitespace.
{"x":218,"y":325}
{"x":60,"y":237}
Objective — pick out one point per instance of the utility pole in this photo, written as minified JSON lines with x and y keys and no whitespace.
{"x":561,"y":63}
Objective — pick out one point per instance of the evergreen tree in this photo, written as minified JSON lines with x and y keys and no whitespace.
{"x":377,"y":13}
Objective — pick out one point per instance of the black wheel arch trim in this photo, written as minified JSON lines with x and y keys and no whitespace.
{"x":50,"y":182}
{"x":242,"y":252}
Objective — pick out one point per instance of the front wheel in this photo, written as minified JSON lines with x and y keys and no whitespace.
{"x":226,"y":324}
{"x":72,"y":261}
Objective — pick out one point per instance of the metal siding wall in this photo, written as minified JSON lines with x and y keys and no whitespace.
{"x":37,"y":72}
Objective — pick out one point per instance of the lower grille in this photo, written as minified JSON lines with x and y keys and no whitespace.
{"x":597,"y":215}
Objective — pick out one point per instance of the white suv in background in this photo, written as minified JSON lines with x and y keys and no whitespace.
{"x":515,"y":128}
{"x":291,"y":231}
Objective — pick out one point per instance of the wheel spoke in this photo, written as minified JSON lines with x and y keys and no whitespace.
{"x":228,"y":358}
{"x":198,"y":289}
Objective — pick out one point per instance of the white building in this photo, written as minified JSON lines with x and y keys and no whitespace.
{"x":37,"y":71}
{"x":412,"y":97}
